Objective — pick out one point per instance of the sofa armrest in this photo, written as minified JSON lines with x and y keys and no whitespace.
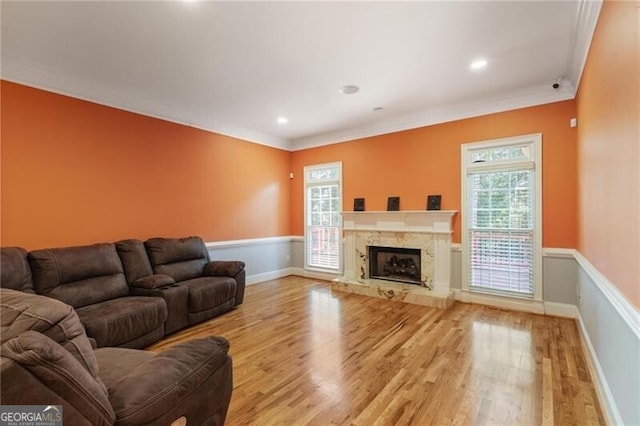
{"x":229,"y":268}
{"x":192,"y":379}
{"x":60,"y":374}
{"x":153,"y":281}
{"x":223,"y":268}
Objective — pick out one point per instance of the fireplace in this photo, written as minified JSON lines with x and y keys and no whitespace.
{"x":395,"y":264}
{"x":413,"y":238}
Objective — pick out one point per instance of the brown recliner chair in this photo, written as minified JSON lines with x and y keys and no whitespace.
{"x":46,"y":359}
{"x":180,"y":271}
{"x":91,"y":279}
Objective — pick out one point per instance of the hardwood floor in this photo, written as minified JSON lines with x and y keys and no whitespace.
{"x":305,"y":355}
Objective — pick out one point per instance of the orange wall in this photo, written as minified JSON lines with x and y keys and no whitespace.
{"x":608,"y":148}
{"x":414,"y":163}
{"x":74,"y":172}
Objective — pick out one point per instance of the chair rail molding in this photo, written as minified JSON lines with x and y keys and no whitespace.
{"x":624,"y":308}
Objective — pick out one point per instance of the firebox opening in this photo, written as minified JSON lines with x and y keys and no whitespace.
{"x":395,"y":264}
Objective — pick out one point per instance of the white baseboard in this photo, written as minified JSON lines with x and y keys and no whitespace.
{"x":281,"y":273}
{"x":271,"y":275}
{"x":547,"y":308}
{"x":610,"y":409}
{"x":301,"y":272}
{"x":534,"y":306}
{"x":561,"y":310}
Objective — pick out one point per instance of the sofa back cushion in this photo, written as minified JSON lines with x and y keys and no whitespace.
{"x":58,"y":321}
{"x":135,"y":261}
{"x":180,"y":258}
{"x":79,"y":276}
{"x":14,"y":269}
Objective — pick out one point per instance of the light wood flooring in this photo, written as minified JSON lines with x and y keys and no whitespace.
{"x":303,"y":354}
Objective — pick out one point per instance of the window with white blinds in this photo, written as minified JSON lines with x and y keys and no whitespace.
{"x":501,"y":240}
{"x":323,"y":223}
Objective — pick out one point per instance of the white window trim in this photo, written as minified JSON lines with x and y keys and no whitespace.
{"x":535,"y":140}
{"x":306,"y":236}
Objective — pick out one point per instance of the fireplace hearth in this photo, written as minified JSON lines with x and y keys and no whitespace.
{"x":395,"y":264}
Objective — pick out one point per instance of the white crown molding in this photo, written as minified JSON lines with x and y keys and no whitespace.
{"x":584,"y":27}
{"x":521,"y":98}
{"x":53,"y":82}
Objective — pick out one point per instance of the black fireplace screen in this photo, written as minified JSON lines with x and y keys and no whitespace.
{"x":395,"y":264}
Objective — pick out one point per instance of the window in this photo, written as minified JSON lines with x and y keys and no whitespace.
{"x":323,"y":223}
{"x":501,"y":219}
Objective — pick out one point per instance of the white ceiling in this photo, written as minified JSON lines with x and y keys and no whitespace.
{"x":234,"y":67}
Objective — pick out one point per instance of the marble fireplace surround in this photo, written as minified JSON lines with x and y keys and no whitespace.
{"x":427,"y":230}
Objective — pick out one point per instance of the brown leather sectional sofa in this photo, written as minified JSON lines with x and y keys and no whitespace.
{"x":112,"y":297}
{"x":47,"y":359}
{"x":130,"y":294}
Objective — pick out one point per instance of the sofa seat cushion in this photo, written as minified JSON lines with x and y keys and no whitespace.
{"x":209,"y":292}
{"x":117,"y":321}
{"x":153,"y":281}
{"x":160,"y":382}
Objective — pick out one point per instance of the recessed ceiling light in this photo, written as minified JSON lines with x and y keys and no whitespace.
{"x":478,"y":64}
{"x":283,"y":120}
{"x":349,"y":90}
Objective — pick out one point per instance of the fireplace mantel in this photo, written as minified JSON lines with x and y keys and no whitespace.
{"x":415,"y":221}
{"x":427,"y":230}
